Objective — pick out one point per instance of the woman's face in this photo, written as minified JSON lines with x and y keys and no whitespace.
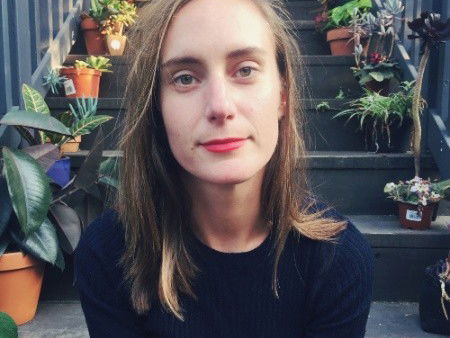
{"x":221,"y":90}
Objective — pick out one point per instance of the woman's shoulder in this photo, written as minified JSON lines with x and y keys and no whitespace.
{"x":103,"y":237}
{"x":349,"y":252}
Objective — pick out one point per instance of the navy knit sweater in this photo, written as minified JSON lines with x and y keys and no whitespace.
{"x":324,"y":289}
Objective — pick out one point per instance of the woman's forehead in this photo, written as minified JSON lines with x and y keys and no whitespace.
{"x":205,"y":27}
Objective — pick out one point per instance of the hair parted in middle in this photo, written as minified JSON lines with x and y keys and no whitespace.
{"x":152,"y":204}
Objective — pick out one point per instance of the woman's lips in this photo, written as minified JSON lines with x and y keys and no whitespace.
{"x":223,"y":145}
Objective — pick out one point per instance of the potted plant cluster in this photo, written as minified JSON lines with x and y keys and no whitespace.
{"x":434,"y":303}
{"x":417,"y":200}
{"x":345,"y":25}
{"x":376,"y":70}
{"x":83,"y":79}
{"x":37,"y":223}
{"x":378,"y":115}
{"x":104,"y":23}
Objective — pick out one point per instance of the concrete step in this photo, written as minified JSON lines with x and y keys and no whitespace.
{"x":310,"y":41}
{"x":303,"y":10}
{"x":341,"y":178}
{"x":66,"y":320}
{"x":401,"y":256}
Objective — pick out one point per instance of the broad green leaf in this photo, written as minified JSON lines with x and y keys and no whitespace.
{"x":44,"y":154}
{"x":4,"y":242}
{"x":34,"y":101}
{"x":28,"y":189}
{"x":109,"y":172}
{"x":68,"y":226}
{"x":86,"y":125}
{"x":8,"y":328}
{"x":5,"y":203}
{"x":377,"y":76}
{"x":30,"y":119}
{"x":42,"y":244}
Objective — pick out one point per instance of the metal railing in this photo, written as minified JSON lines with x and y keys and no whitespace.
{"x":34,"y":36}
{"x":436,"y":90}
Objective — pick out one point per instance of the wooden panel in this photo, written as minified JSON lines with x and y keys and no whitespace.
{"x":5,"y":62}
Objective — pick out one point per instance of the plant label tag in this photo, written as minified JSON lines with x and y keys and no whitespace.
{"x":69,"y":88}
{"x":413,"y":215}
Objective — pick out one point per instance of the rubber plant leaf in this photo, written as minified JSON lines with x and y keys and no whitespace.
{"x":45,"y":154}
{"x":6,"y":207}
{"x":42,"y":244}
{"x":68,"y":226}
{"x":33,"y":101}
{"x":28,"y":188}
{"x":30,"y":119}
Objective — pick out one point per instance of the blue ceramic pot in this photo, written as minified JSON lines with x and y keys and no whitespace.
{"x":59,"y":172}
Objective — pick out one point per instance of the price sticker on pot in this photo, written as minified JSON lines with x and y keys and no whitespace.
{"x":413,"y":215}
{"x":69,"y":87}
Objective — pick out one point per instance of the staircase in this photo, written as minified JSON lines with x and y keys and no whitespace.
{"x":342,"y":173}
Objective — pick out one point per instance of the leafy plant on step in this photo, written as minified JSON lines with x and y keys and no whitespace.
{"x":38,"y":217}
{"x":432,"y":31}
{"x":342,"y":15}
{"x":53,"y":80}
{"x":99,"y":63}
{"x":381,"y":111}
{"x":380,"y":66}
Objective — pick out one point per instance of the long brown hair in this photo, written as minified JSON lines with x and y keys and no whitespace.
{"x":151,"y":203}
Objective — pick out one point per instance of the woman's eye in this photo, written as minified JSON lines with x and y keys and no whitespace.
{"x":184,"y":80}
{"x":245,"y":71}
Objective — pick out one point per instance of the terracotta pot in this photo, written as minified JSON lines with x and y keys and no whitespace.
{"x":72,"y":145}
{"x":340,"y":44}
{"x":95,"y":41}
{"x":20,"y":284}
{"x":86,"y":82}
{"x":380,"y":87}
{"x":116,"y":44}
{"x":417,"y":217}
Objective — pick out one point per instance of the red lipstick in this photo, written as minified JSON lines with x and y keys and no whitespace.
{"x":223,"y":145}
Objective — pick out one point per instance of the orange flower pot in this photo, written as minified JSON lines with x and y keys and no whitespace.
{"x":72,"y":145}
{"x":95,"y":41}
{"x":20,"y":284}
{"x":86,"y":82}
{"x":340,"y":44}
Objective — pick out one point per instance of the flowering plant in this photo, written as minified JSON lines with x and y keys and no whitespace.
{"x":417,"y":191}
{"x":378,"y":67}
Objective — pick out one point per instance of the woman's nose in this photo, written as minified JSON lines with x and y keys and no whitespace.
{"x":219,"y":105}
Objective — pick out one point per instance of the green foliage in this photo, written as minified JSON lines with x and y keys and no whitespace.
{"x":342,"y":15}
{"x":384,"y":109}
{"x":8,"y":328}
{"x":99,"y":63}
{"x":53,"y":80}
{"x":378,"y":72}
{"x":108,"y":12}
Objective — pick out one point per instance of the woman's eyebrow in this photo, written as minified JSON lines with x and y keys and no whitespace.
{"x":193,"y":61}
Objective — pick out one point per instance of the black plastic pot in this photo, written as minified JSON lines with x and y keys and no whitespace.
{"x":432,"y":318}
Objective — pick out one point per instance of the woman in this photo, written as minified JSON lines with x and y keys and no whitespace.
{"x":214,"y":234}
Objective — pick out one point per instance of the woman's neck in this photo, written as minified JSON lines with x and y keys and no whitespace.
{"x":228,"y":218}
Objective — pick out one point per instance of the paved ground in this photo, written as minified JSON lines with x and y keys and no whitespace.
{"x":65,"y":320}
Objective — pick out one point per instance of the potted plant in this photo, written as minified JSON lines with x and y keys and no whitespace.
{"x":417,"y":200}
{"x":114,"y":25}
{"x":434,"y":303}
{"x":376,"y":71}
{"x":378,"y":114}
{"x":78,"y":121}
{"x":37,"y":223}
{"x":345,"y":26}
{"x":84,"y":76}
{"x":105,"y":18}
{"x":54,"y":81}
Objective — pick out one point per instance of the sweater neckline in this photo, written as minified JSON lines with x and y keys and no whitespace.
{"x":213,"y":257}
